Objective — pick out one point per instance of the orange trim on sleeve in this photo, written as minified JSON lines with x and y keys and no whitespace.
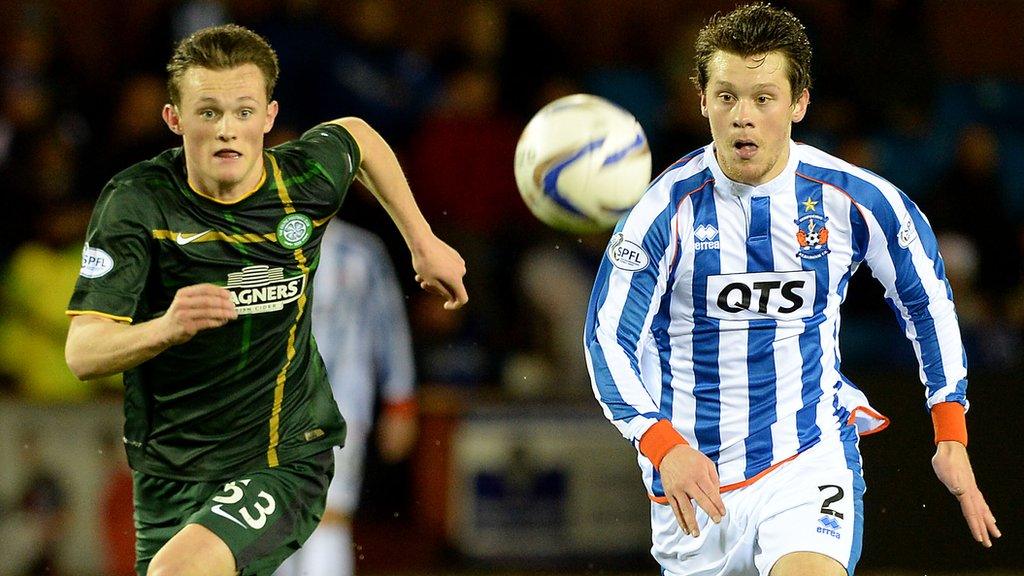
{"x":125,"y":319}
{"x":658,"y":440}
{"x":950,"y":422}
{"x":403,"y":409}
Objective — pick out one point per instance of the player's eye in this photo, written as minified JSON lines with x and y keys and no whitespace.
{"x":725,"y":97}
{"x":763,"y":99}
{"x":207,"y":114}
{"x":245,"y":113}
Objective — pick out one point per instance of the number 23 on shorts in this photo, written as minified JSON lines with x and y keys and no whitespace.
{"x":252,"y":515}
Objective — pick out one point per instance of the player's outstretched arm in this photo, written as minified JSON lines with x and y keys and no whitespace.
{"x":687,"y":474}
{"x":98,"y":346}
{"x":439,"y":268}
{"x":953,"y":467}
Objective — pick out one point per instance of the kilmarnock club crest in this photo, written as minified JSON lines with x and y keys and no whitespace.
{"x":812,"y":236}
{"x":294,"y":230}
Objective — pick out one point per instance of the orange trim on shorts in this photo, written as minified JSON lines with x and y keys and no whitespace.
{"x":735,"y":485}
{"x":852,"y":420}
{"x":950,"y":422}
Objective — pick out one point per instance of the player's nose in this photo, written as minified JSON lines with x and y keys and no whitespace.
{"x":225,"y":129}
{"x":742,"y":114}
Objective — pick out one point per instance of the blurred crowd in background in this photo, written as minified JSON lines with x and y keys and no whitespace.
{"x":899,"y":88}
{"x":926,"y":93}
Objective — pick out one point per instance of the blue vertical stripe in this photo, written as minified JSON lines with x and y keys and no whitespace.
{"x":928,"y":240}
{"x":705,"y":334}
{"x":849,"y":438}
{"x":860,"y":234}
{"x":810,"y":200}
{"x":761,"y":375}
{"x":608,"y":392}
{"x":660,"y":331}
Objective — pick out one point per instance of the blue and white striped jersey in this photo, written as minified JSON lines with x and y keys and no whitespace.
{"x":360,"y":324}
{"x":716,"y":307}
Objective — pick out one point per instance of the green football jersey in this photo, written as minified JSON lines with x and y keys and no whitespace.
{"x":253,"y":393}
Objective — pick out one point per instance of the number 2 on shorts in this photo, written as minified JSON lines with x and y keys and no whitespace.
{"x":828,"y":501}
{"x":264,"y":505}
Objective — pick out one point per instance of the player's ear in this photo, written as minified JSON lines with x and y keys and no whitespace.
{"x":172,"y":118}
{"x":801,"y":104}
{"x":271,"y":115}
{"x":703,"y":104}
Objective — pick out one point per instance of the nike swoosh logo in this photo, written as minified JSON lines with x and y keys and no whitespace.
{"x":218,"y":510}
{"x":183,"y":239}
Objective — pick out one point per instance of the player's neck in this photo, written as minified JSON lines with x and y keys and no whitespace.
{"x":228,"y":193}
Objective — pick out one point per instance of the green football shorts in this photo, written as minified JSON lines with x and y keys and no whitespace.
{"x":263,"y":516}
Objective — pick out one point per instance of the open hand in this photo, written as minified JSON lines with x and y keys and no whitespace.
{"x":953,"y":468}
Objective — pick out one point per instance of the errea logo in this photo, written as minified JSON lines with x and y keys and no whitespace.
{"x":705,"y":237}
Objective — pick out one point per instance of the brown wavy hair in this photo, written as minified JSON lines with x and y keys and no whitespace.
{"x":751,"y":30}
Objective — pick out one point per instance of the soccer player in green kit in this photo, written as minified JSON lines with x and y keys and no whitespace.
{"x":195,"y":282}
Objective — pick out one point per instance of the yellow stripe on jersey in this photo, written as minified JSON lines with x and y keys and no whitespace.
{"x":324,"y":220}
{"x":300,"y":259}
{"x":215,"y":236}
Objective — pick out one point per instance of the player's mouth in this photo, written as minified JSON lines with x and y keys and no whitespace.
{"x":745,"y":149}
{"x":227,"y":154}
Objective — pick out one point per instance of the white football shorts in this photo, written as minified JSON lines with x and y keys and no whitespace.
{"x":813,"y":503}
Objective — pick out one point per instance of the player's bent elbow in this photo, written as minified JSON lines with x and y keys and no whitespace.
{"x":78,"y":364}
{"x":82,"y":364}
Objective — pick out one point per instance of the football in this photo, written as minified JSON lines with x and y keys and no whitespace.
{"x":581,"y":163}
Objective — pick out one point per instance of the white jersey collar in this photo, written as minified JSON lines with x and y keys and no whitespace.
{"x":782,"y":182}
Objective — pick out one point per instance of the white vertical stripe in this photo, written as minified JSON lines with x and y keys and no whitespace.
{"x":684,"y":405}
{"x":788,"y":360}
{"x":733,"y":337}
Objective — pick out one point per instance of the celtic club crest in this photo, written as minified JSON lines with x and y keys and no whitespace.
{"x":294,"y":230}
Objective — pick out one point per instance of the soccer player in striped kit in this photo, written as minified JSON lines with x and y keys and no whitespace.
{"x":712,"y":331}
{"x":362,"y":332}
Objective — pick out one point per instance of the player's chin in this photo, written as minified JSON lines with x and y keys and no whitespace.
{"x":229,"y":175}
{"x":752,"y":171}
